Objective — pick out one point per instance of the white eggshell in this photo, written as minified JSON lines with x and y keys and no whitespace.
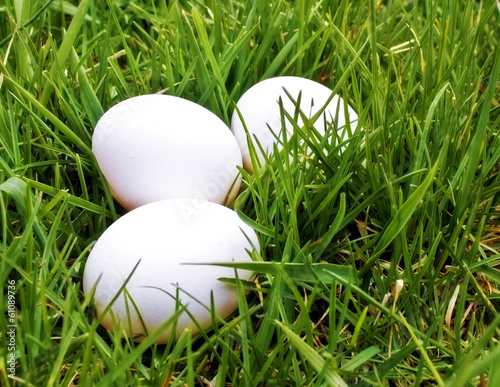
{"x":260,"y":110}
{"x":155,"y":147}
{"x":163,"y":237}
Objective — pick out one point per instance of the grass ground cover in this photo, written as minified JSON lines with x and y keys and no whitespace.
{"x":380,"y":254}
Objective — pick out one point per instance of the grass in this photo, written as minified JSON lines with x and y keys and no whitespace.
{"x":380,"y":256}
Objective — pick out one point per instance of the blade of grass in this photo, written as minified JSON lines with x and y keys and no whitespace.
{"x":313,"y":357}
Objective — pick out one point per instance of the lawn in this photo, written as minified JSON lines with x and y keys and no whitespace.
{"x":380,"y":255}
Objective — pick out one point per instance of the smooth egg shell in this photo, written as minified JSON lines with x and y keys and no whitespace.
{"x":155,"y":147}
{"x":163,"y":237}
{"x":259,"y":108}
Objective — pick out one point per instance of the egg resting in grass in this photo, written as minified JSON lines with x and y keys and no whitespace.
{"x":155,"y":147}
{"x":162,"y":238}
{"x":259,"y":108}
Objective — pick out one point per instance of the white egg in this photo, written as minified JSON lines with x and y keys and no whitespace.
{"x":260,"y":110}
{"x":155,"y":147}
{"x":163,"y":238}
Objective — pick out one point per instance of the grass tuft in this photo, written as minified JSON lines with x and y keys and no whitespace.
{"x":380,"y":254}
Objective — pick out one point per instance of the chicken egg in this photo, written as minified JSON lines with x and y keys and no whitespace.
{"x":260,"y":110}
{"x":155,"y":147}
{"x":161,"y":240}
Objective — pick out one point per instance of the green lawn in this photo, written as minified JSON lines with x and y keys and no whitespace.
{"x":379,"y":263}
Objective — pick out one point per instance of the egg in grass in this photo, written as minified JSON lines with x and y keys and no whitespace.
{"x":159,"y":247}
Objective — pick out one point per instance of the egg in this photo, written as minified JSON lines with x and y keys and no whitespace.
{"x":260,"y":110}
{"x":163,"y":238}
{"x":156,"y":147}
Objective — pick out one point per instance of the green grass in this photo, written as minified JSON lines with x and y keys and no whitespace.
{"x":379,"y":263}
